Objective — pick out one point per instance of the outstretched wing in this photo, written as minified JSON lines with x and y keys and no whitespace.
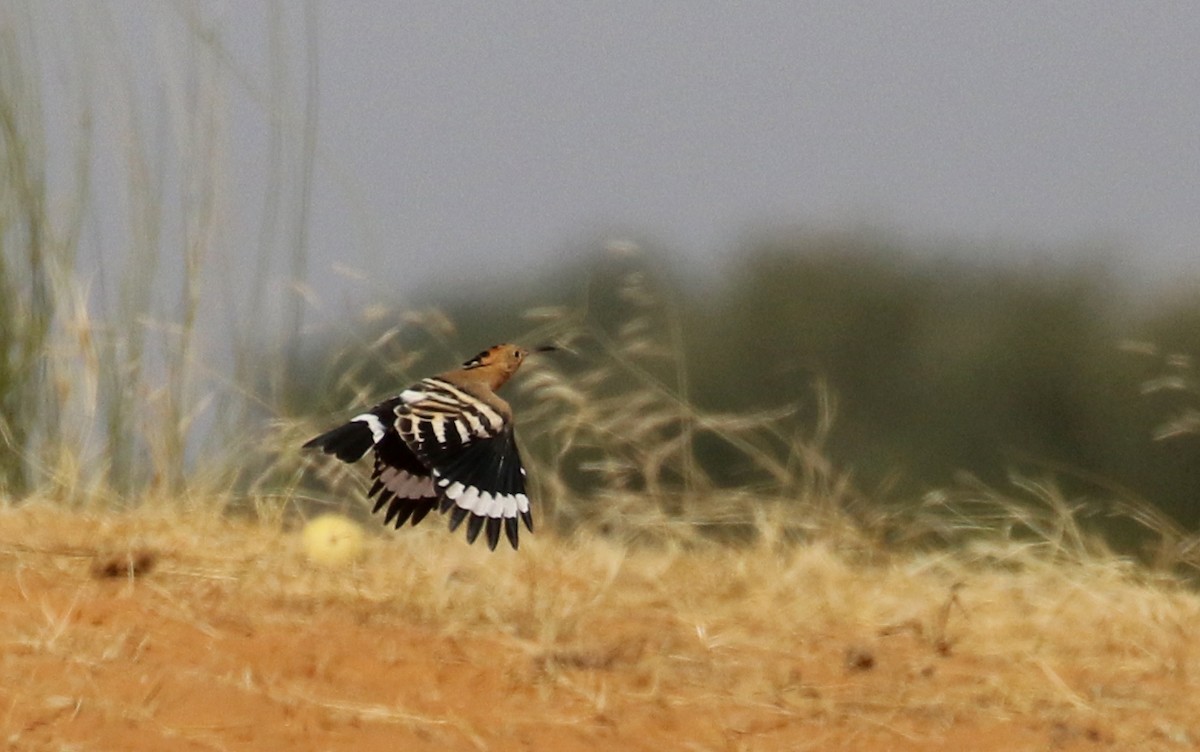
{"x":403,"y":484}
{"x":468,"y":444}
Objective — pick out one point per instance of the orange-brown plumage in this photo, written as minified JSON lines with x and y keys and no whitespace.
{"x":492,"y":367}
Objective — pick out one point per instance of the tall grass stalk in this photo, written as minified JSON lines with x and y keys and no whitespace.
{"x":28,"y":258}
{"x":116,"y":209}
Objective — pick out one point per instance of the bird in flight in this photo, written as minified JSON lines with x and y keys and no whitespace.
{"x":445,"y":442}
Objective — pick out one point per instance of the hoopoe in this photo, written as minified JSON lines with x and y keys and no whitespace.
{"x":445,"y":442}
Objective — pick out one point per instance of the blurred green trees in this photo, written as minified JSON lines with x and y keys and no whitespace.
{"x":939,"y":365}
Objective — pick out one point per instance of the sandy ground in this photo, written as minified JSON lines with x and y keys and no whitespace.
{"x":143,"y":632}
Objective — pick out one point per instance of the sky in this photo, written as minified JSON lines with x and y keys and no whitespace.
{"x":454,"y":143}
{"x":495,"y":135}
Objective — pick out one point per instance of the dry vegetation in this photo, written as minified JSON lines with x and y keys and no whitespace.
{"x":154,"y":592}
{"x":144,"y":629}
{"x":653,"y":609}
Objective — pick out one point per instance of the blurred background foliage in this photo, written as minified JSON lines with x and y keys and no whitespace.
{"x":942,"y":371}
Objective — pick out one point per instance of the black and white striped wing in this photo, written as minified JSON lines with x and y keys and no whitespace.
{"x":469,"y":446}
{"x":402,"y":483}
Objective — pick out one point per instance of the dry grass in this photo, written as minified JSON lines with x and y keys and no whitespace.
{"x":1175,"y":377}
{"x":766,"y":638}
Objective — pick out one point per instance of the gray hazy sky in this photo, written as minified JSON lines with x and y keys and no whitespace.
{"x":491,"y":135}
{"x":459,"y":141}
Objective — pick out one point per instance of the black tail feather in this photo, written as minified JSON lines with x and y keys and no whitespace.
{"x":457,"y":515}
{"x":400,"y":510}
{"x":348,"y":442}
{"x":424,"y":507}
{"x":493,"y":532}
{"x":474,"y":526}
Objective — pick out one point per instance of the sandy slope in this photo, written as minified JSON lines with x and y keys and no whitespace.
{"x":229,"y":640}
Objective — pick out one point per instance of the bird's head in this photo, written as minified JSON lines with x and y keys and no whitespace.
{"x":499,"y":362}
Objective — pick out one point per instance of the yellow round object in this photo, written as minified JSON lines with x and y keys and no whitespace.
{"x":332,"y":540}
